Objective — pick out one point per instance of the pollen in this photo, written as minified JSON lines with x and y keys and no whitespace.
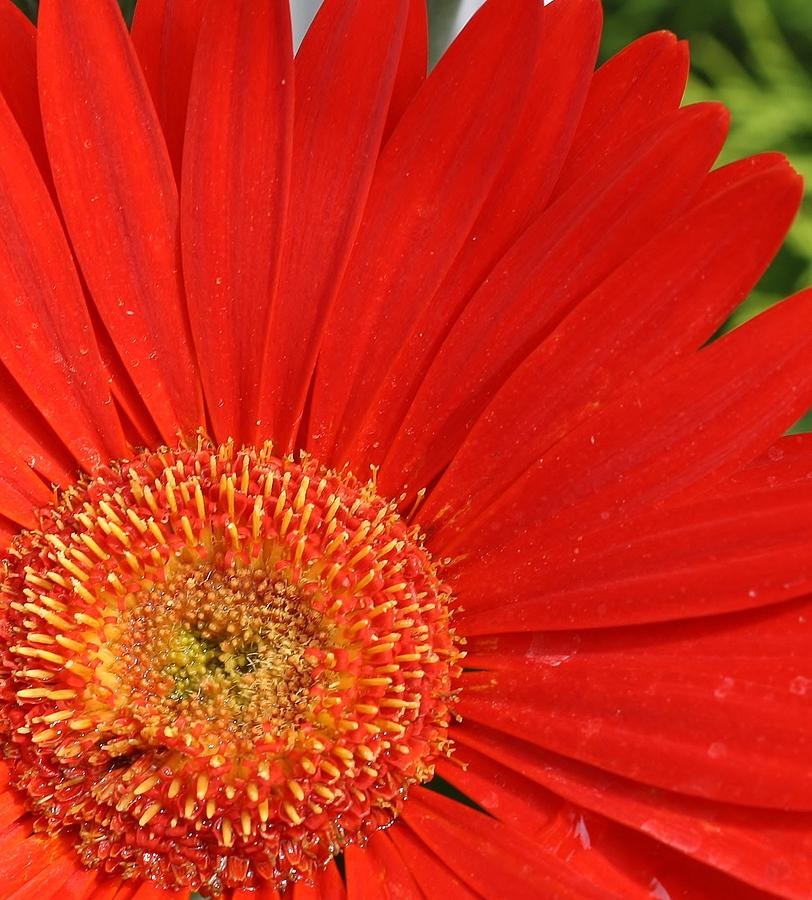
{"x":219,"y":666}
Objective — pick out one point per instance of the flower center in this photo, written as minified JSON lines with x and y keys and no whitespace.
{"x":219,"y":667}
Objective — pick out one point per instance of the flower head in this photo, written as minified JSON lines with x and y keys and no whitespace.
{"x":359,"y":429}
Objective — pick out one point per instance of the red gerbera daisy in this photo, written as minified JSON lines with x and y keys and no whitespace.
{"x":362,"y":465}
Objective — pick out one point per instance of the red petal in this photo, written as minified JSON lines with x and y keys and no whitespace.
{"x":236,"y":165}
{"x":149,"y":891}
{"x":541,"y":138}
{"x":722,"y":554}
{"x":494,"y":860}
{"x":414,"y":61}
{"x":24,"y":856}
{"x":46,"y":337}
{"x":717,"y":708}
{"x":611,"y":214}
{"x":118,"y":196}
{"x":164,"y":34}
{"x":29,"y":436}
{"x":645,"y":80}
{"x":488,"y":66}
{"x":327,"y":886}
{"x":431,"y":874}
{"x":377,"y":872}
{"x":556,"y":827}
{"x":21,"y":491}
{"x":665,"y":300}
{"x":67,"y":871}
{"x":609,"y":856}
{"x":18,"y":78}
{"x":12,"y":808}
{"x":676,"y":435}
{"x":345,"y":71}
{"x":764,"y":848}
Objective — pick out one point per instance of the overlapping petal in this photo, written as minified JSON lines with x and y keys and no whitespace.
{"x":346,"y":71}
{"x":494,"y":283}
{"x":119,"y":199}
{"x":697,"y":687}
{"x":236,"y":170}
{"x":441,"y":148}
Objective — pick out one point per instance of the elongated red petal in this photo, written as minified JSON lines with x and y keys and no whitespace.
{"x":30,"y":437}
{"x":48,"y":347}
{"x":726,"y":553}
{"x":345,"y":72}
{"x":119,"y":199}
{"x":559,"y":259}
{"x":716,"y":708}
{"x":428,"y":869}
{"x":423,"y":202}
{"x":165,"y":34}
{"x":236,"y":166}
{"x":327,"y":886}
{"x":636,"y":322}
{"x":694,"y":423}
{"x":66,"y":870}
{"x":623,"y":863}
{"x":377,"y":872}
{"x":18,"y":78}
{"x":25,"y":855}
{"x":645,"y":80}
{"x":21,"y":491}
{"x":768,"y":849}
{"x":413,"y":65}
{"x":541,"y":138}
{"x":494,"y":860}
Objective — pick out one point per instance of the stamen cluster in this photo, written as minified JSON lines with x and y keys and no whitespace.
{"x":220,"y":666}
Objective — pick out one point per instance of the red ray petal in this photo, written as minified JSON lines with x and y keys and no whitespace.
{"x":48,"y":347}
{"x":414,"y":61}
{"x":7,"y":531}
{"x":119,"y":199}
{"x":630,"y":327}
{"x":67,"y":871}
{"x":551,"y":824}
{"x":164,"y":34}
{"x":265,"y":892}
{"x":611,"y":857}
{"x":541,"y":139}
{"x":732,"y":551}
{"x":442,"y":148}
{"x":83,"y":884}
{"x":428,"y":870}
{"x":28,"y":435}
{"x":236,"y":166}
{"x":493,"y":859}
{"x":149,"y":891}
{"x":716,"y":708}
{"x":377,"y":872}
{"x":569,"y":250}
{"x":764,"y":848}
{"x":24,"y":856}
{"x":12,"y":808}
{"x":21,"y":491}
{"x":18,"y":78}
{"x":672,"y":437}
{"x":327,"y":886}
{"x":645,"y":80}
{"x":345,"y":71}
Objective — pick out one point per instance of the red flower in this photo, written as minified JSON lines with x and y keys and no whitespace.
{"x":224,"y":663}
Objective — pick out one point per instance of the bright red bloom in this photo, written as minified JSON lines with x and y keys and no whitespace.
{"x":488,"y":294}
